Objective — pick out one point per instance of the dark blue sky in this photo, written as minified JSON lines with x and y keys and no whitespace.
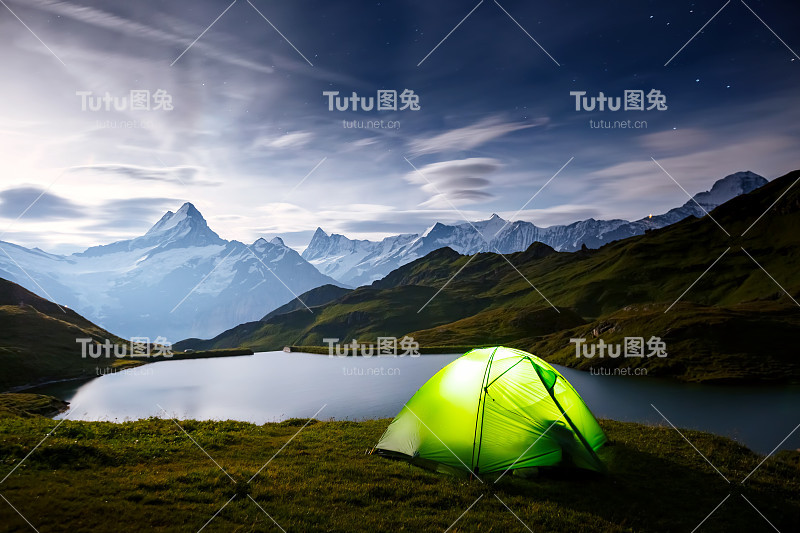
{"x":496,"y":120}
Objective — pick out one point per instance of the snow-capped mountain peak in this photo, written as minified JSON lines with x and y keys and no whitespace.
{"x":185,"y":227}
{"x":170,"y":219}
{"x":261,"y":244}
{"x":490,"y":227}
{"x":318,"y":245}
{"x":729,"y":187}
{"x":428,"y":230}
{"x":185,"y":220}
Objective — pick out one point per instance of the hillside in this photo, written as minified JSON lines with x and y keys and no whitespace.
{"x":704,"y":343}
{"x":149,"y":476}
{"x":37,"y":339}
{"x":485,"y":294}
{"x":313,"y":298}
{"x":749,"y":341}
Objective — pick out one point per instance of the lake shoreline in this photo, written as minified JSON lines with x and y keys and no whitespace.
{"x":125,"y":363}
{"x":699,"y":378}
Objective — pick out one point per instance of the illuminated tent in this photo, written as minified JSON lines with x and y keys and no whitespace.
{"x":491,"y":410}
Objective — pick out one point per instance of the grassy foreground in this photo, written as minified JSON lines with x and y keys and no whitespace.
{"x":149,"y":476}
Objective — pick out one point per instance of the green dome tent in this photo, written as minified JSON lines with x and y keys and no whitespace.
{"x":491,"y":410}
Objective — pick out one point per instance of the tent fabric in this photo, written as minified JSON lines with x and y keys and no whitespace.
{"x":495,"y":409}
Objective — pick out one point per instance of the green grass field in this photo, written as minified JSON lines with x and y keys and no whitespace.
{"x":148,"y":475}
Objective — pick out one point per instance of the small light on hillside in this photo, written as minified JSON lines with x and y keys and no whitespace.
{"x":651,"y":215}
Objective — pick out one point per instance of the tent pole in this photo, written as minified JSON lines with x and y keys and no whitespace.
{"x":571,"y":424}
{"x":481,"y":406}
{"x":475,"y":434}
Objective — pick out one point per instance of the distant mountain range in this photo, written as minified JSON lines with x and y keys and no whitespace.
{"x":734,"y":323}
{"x":360,"y":262}
{"x":181,"y":280}
{"x":178,"y":280}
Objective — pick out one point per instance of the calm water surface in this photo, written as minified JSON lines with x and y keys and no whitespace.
{"x":273,"y":386}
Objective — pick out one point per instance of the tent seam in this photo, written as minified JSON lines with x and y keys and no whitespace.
{"x":482,"y":407}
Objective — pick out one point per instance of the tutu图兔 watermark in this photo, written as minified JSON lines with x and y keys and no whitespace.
{"x":371,"y":124}
{"x":135,"y":100}
{"x":632,"y":100}
{"x":385,"y":346}
{"x":619,"y":371}
{"x":618,"y":124}
{"x":136,"y":371}
{"x":137,"y":347}
{"x":124,"y":124}
{"x":385,"y":100}
{"x":631,"y":347}
{"x":370,"y":372}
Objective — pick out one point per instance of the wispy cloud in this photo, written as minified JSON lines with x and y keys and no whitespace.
{"x":182,"y":174}
{"x":96,"y":223}
{"x":557,"y":215}
{"x":50,"y":206}
{"x":295,"y":139}
{"x":468,"y":137}
{"x":109,"y":21}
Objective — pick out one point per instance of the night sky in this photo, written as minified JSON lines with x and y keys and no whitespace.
{"x":496,"y":119}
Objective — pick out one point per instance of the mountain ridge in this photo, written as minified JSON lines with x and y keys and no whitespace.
{"x":360,"y":262}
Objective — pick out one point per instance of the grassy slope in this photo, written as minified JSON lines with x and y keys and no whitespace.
{"x":28,"y":405}
{"x":364,"y":313}
{"x":147,"y":475}
{"x":37,"y":339}
{"x":488,"y":297}
{"x":499,"y":326}
{"x":710,"y":344}
{"x":704,"y":343}
{"x":314,"y":297}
